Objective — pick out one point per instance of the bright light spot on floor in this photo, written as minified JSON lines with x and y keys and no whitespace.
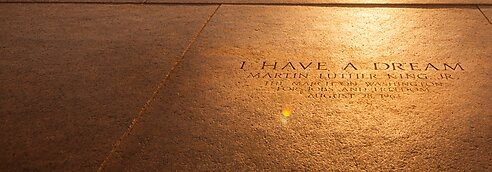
{"x":286,"y":112}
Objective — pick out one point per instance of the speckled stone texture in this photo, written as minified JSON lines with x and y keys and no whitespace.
{"x":74,"y":76}
{"x":276,"y":1}
{"x":333,"y":1}
{"x":212,"y":115}
{"x":79,"y":1}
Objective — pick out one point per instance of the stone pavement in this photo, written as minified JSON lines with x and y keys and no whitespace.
{"x":299,"y":2}
{"x":211,"y":85}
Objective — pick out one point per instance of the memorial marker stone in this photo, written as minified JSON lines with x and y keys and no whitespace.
{"x":316,"y":88}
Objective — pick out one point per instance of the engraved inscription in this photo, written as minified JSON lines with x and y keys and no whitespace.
{"x":374,"y":80}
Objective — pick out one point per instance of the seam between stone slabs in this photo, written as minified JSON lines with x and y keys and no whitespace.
{"x":152,"y":99}
{"x":479,"y":9}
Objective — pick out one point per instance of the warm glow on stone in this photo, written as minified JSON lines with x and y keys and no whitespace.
{"x":286,"y":112}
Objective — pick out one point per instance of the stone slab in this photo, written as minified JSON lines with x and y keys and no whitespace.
{"x":74,"y":76}
{"x":488,"y":2}
{"x":79,"y":1}
{"x":322,"y":89}
{"x":330,"y":1}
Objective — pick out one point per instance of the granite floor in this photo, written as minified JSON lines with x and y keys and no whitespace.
{"x":277,"y":2}
{"x":219,"y":85}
